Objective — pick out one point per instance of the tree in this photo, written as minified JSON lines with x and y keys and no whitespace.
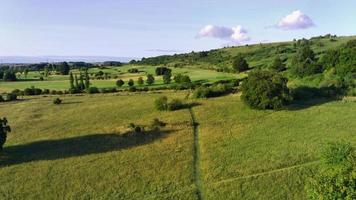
{"x":167,"y":77}
{"x":9,"y":75}
{"x":161,"y":103}
{"x":265,"y":90}
{"x":87,"y":79}
{"x":63,"y":68}
{"x":71,"y":81}
{"x":131,"y":83}
{"x":278,"y":65}
{"x":120,"y":83}
{"x":4,"y":129}
{"x":26,"y":72}
{"x":81,"y":82}
{"x":150,"y":79}
{"x":336,"y":177}
{"x":57,"y":101}
{"x":140,"y":81}
{"x":76,"y":82}
{"x":162,"y":70}
{"x":181,"y":79}
{"x":239,"y":64}
{"x":304,"y":62}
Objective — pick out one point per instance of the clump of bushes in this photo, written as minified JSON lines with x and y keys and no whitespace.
{"x":4,"y":129}
{"x":136,"y":128}
{"x":162,"y":104}
{"x":92,"y":90}
{"x":157,"y":124}
{"x":57,"y":101}
{"x":133,"y":70}
{"x":212,"y":91}
{"x":160,"y":71}
{"x":265,"y":90}
{"x":239,"y":63}
{"x":336,"y":176}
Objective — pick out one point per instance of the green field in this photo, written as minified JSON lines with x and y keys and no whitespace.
{"x":77,"y":150}
{"x":60,"y":82}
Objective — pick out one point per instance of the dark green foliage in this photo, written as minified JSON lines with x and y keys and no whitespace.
{"x":175,"y":104}
{"x":132,"y":89}
{"x":150,"y":79}
{"x":212,"y":91}
{"x":63,"y":68}
{"x":131,"y":83}
{"x":161,"y":103}
{"x":336,"y":178}
{"x":87,"y":79}
{"x":162,"y":70}
{"x":181,"y":79}
{"x":304,"y":62}
{"x":112,"y":63}
{"x":265,"y":90}
{"x":9,"y":75}
{"x":10,"y":97}
{"x":136,"y":128}
{"x":157,"y":124}
{"x":71,"y":81}
{"x":57,"y":101}
{"x":140,"y":81}
{"x":120,"y":83}
{"x":4,"y":129}
{"x":278,"y":65}
{"x":92,"y":90}
{"x":1,"y":99}
{"x":32,"y":91}
{"x":167,"y":77}
{"x":239,"y":64}
{"x":133,"y":71}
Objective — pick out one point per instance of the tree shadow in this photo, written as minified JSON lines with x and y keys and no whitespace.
{"x":305,"y":97}
{"x":71,"y":102}
{"x":77,"y":146}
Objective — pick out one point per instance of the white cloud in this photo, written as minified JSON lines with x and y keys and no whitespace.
{"x":235,"y":34}
{"x":295,"y":20}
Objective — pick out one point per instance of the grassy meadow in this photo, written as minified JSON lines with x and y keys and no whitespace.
{"x":61,"y":82}
{"x":78,"y":150}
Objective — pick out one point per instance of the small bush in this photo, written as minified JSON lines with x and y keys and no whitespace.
{"x":57,"y":101}
{"x":133,"y":70}
{"x":120,"y":83}
{"x":161,"y":103}
{"x":136,"y":128}
{"x":157,"y":124}
{"x":10,"y":97}
{"x":4,"y":129}
{"x":131,"y":83}
{"x":132,"y":89}
{"x":239,"y":64}
{"x":92,"y":90}
{"x":175,"y":104}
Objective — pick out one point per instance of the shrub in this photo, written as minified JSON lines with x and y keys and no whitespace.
{"x":175,"y":104}
{"x":150,"y":79}
{"x":167,"y":78}
{"x":239,"y":64}
{"x":57,"y":101}
{"x":4,"y":129}
{"x":133,"y":70}
{"x":163,"y":70}
{"x":92,"y":90}
{"x":157,"y":124}
{"x":140,"y":81}
{"x":278,"y":65}
{"x":265,"y":90}
{"x":212,"y":91}
{"x":132,"y":89}
{"x":336,"y":176}
{"x":120,"y":83}
{"x":10,"y":97}
{"x":1,"y":99}
{"x":131,"y":83}
{"x":136,"y":128}
{"x":181,"y":79}
{"x":161,"y":103}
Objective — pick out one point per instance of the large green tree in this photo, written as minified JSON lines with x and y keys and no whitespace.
{"x":265,"y":90}
{"x":239,"y":63}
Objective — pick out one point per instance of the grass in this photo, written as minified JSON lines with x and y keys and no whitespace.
{"x":77,"y":150}
{"x":59,"y":82}
{"x":238,"y":143}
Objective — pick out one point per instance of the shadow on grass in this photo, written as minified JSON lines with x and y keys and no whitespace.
{"x":306,"y":97}
{"x":71,"y":102}
{"x":77,"y":146}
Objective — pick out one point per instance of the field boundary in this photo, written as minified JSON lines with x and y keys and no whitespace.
{"x":265,"y":173}
{"x":196,"y":156}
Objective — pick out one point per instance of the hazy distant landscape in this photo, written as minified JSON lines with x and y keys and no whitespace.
{"x":209,"y":112}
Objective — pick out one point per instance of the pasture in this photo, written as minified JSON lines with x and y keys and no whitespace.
{"x":78,"y":150}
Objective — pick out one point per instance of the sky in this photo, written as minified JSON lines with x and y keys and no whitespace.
{"x":143,"y":28}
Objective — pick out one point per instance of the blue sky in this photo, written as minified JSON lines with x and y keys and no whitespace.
{"x":137,"y":28}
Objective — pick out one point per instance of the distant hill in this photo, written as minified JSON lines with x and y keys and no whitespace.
{"x":258,"y":55}
{"x":39,"y":59}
